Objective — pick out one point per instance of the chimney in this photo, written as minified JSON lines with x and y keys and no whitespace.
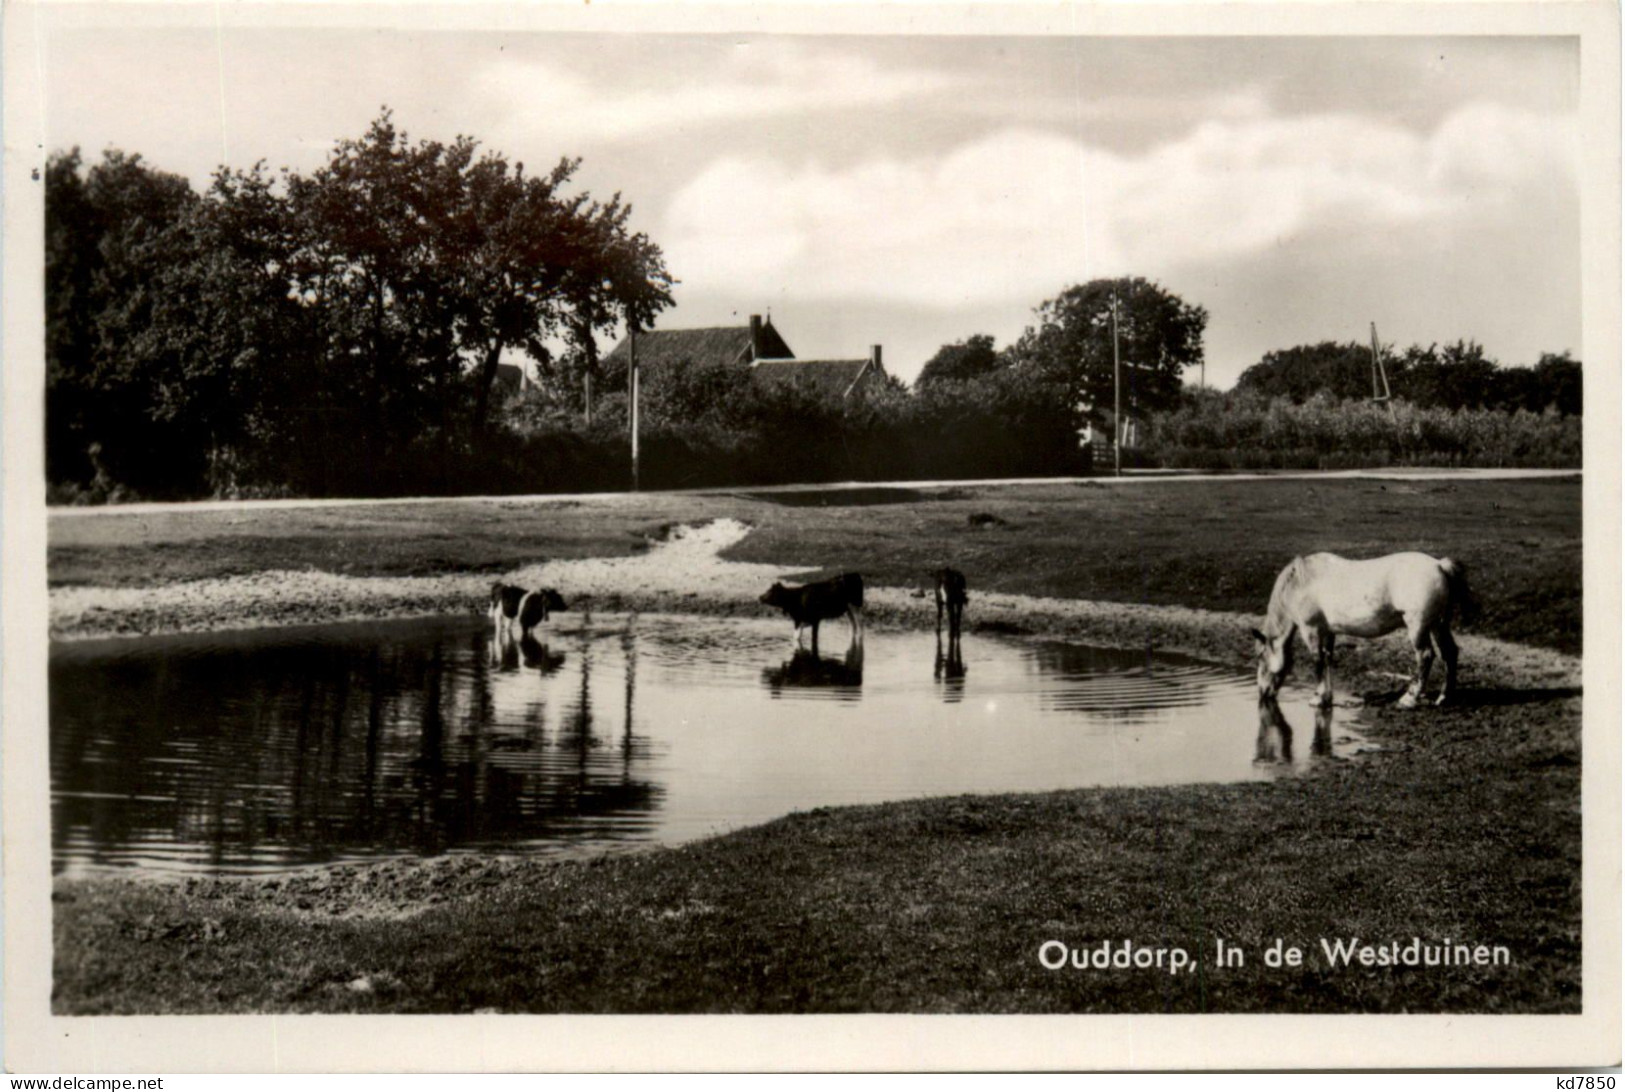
{"x":756,"y":337}
{"x":874,"y":358}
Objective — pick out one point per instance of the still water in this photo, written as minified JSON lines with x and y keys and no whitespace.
{"x":281,"y":749}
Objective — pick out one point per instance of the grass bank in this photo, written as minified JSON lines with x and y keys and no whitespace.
{"x":1208,"y":543}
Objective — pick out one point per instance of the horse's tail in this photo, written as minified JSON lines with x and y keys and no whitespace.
{"x":1462,"y":599}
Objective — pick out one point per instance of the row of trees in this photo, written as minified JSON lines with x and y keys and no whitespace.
{"x":1456,"y":376}
{"x":316,"y":333}
{"x":339,"y":332}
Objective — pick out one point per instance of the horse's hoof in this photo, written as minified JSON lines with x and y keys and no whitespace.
{"x":1407,"y":701}
{"x":1442,"y":699}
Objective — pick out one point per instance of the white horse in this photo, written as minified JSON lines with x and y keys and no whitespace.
{"x":1322,"y":595}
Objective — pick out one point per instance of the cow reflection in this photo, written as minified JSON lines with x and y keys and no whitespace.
{"x":950,"y":668}
{"x":539,"y":656}
{"x":805,"y":669}
{"x":507,"y":653}
{"x":1274,"y":744}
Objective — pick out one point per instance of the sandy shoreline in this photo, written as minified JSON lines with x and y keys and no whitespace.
{"x":686,"y":574}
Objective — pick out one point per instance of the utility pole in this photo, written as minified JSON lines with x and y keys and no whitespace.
{"x":632,"y":395}
{"x":1117,"y":398}
{"x":1380,"y":393}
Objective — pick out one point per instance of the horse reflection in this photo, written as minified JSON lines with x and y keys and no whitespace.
{"x":1274,"y":744}
{"x":949,"y":668}
{"x":805,"y":669}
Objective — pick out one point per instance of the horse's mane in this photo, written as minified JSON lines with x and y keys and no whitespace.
{"x":1278,"y":617}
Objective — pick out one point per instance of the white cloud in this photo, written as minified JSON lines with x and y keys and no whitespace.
{"x":755,"y":79}
{"x":1020,"y":213}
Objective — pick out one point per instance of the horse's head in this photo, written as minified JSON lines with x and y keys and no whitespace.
{"x":1274,"y":661}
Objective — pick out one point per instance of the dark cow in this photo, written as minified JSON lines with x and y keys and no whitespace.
{"x":530,"y":608}
{"x":810,"y":604}
{"x":951,"y":595}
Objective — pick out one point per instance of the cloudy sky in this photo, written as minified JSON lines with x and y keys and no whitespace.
{"x":912,"y":191}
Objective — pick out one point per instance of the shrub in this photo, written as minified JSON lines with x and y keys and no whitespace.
{"x":1244,"y":431}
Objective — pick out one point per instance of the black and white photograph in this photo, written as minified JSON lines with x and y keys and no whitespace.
{"x":528,"y":512}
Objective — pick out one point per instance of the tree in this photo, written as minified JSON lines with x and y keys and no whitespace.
{"x":966,"y":359}
{"x":1342,"y":370}
{"x":1459,"y":376}
{"x":441,"y":259}
{"x":333,"y":331}
{"x":1558,"y":384}
{"x":112,"y":236}
{"x":1159,"y":336}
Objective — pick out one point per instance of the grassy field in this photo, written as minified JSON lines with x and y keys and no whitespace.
{"x":1465,"y":825}
{"x":1204,"y":543}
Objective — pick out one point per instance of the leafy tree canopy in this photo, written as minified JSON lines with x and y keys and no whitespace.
{"x":1159,"y":335}
{"x":1455,"y":376}
{"x":975,"y":356}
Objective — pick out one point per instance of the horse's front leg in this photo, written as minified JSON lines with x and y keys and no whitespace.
{"x":1319,"y":643}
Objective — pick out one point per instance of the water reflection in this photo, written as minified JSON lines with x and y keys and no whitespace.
{"x":1124,"y":685}
{"x":949,"y":668}
{"x":509,"y":652}
{"x":323,"y":751}
{"x":1274,"y":743}
{"x":238,"y":752}
{"x":807,"y":670}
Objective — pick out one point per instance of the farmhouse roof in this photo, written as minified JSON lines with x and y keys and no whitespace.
{"x":510,"y":377}
{"x":711,"y":344}
{"x":834,"y":378}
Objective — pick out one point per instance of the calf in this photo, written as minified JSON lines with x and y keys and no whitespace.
{"x":951,"y":594}
{"x":531,"y":608}
{"x":810,"y":604}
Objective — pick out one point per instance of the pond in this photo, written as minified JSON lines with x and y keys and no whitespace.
{"x":270,"y":750}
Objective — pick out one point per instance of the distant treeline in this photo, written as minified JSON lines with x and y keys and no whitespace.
{"x":1453,"y":377}
{"x":339,"y":334}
